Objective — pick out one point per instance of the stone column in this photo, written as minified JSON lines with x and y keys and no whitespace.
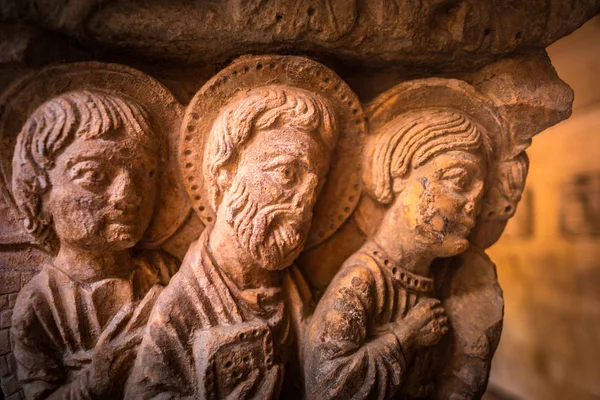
{"x":264,"y":199}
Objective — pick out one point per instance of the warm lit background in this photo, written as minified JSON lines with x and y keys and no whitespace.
{"x":549,"y":257}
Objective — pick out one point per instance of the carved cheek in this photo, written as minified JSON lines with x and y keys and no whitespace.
{"x":448,"y":201}
{"x":77,"y":215}
{"x":439,"y":207}
{"x":267,"y":193}
{"x":414,"y":203}
{"x":308,"y":191}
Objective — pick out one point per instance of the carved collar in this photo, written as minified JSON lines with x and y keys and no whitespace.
{"x":407,"y":279}
{"x":262,"y":302}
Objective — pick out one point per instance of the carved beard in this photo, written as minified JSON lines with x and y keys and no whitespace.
{"x":274,"y":234}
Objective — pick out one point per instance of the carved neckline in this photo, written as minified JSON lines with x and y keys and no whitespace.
{"x":262,"y":302}
{"x":90,"y":286}
{"x":407,"y":279}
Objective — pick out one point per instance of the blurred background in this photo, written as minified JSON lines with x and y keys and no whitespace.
{"x":548,"y":259}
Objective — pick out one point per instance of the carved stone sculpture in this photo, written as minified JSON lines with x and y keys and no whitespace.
{"x":325,"y":251}
{"x":468,"y":281}
{"x":374,"y":328}
{"x":74,"y":168}
{"x":230,"y":321}
{"x":86,"y":172}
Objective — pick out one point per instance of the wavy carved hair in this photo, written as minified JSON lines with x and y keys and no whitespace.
{"x":54,"y":125}
{"x":412,"y":139}
{"x":262,"y":109}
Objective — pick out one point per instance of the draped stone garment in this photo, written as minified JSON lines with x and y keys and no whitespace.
{"x":57,"y":322}
{"x":351,"y":351}
{"x":472,"y":298}
{"x":203,"y":304}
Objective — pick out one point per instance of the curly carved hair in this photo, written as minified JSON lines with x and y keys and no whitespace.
{"x":410,"y":140}
{"x":261,"y":109}
{"x":53,"y":126}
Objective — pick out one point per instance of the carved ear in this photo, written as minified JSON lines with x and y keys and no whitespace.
{"x":398,"y":185}
{"x":224,"y":179}
{"x":216,"y":189}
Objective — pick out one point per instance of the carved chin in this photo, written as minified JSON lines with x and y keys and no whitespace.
{"x":122,"y":236}
{"x":449,"y":239}
{"x":459,"y":246}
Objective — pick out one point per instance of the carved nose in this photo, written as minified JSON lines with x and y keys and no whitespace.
{"x":507,"y":211}
{"x":123,"y":193}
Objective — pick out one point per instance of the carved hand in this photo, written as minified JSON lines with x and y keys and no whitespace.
{"x":115,"y":352}
{"x":424,"y":325}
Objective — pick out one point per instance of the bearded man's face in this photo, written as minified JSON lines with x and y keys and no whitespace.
{"x":269,"y":203}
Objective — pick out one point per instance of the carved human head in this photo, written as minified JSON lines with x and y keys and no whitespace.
{"x":266,"y":159}
{"x":85,"y":170}
{"x":505,"y":188}
{"x":428,"y":166}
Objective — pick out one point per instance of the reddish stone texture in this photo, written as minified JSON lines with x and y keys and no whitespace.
{"x":215,"y":217}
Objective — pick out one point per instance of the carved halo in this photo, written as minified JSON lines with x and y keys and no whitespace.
{"x":438,"y":92}
{"x":340,"y":193}
{"x":24,"y":96}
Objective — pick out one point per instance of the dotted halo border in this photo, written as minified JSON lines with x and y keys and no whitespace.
{"x":250,"y":72}
{"x":61,"y":78}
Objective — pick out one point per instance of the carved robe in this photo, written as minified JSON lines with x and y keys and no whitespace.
{"x":352,"y":354}
{"x":57,"y":321}
{"x":472,"y":298}
{"x":206,"y":338}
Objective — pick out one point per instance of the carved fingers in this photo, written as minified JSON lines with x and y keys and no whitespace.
{"x":429,"y":322}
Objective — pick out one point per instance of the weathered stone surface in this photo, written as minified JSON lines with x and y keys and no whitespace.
{"x":3,"y":367}
{"x":4,"y":342}
{"x":332,"y":233}
{"x":10,"y":385}
{"x":5,"y":318}
{"x":439,"y":34}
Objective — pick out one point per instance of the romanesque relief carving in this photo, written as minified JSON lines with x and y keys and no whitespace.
{"x":375,"y":329}
{"x":259,"y":140}
{"x":441,"y":35}
{"x":86,"y":174}
{"x":325,"y":253}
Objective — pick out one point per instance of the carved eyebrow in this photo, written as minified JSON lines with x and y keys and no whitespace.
{"x":81,"y":159}
{"x":470,"y":165}
{"x":289,"y":159}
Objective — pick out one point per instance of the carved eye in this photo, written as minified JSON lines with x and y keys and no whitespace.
{"x":92,"y":176}
{"x":286,"y":174}
{"x":89,"y":176}
{"x":456,"y":177}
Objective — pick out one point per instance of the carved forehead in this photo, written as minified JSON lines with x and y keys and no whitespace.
{"x":289,"y":144}
{"x":469,"y":159}
{"x":124,"y":150}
